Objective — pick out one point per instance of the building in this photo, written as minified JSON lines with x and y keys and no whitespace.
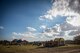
{"x":56,"y":42}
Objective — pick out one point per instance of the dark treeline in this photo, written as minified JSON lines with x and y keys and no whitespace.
{"x":14,"y":42}
{"x":76,"y":40}
{"x":19,"y":42}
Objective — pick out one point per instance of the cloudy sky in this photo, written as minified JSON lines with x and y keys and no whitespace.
{"x":39,"y":20}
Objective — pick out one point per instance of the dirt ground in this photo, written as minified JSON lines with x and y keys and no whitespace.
{"x":53,"y":50}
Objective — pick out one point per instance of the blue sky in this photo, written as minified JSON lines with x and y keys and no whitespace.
{"x":16,"y":15}
{"x":37,"y":20}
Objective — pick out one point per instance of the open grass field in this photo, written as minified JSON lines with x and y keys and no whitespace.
{"x":37,"y":49}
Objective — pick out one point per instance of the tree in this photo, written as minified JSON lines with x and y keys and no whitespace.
{"x":77,"y":39}
{"x":19,"y":41}
{"x":24,"y":42}
{"x":5,"y":42}
{"x":14,"y":42}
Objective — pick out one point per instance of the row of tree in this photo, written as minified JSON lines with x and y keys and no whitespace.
{"x":76,"y":40}
{"x":14,"y":42}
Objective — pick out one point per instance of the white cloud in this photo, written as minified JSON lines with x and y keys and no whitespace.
{"x":75,"y":5}
{"x":69,"y":9}
{"x":74,"y":32}
{"x":75,"y":21}
{"x":1,"y":27}
{"x":30,"y":34}
{"x":67,"y":30}
{"x":64,"y":8}
{"x":31,"y":29}
{"x":26,"y":35}
{"x":49,"y":17}
{"x":67,"y":26}
{"x":59,"y":7}
{"x":64,"y":30}
{"x":17,"y":34}
{"x":57,"y":28}
{"x":43,"y":26}
{"x":13,"y":37}
{"x":51,"y":32}
{"x":14,"y":33}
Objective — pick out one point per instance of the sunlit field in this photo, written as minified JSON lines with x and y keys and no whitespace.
{"x":38,"y":49}
{"x":16,"y":48}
